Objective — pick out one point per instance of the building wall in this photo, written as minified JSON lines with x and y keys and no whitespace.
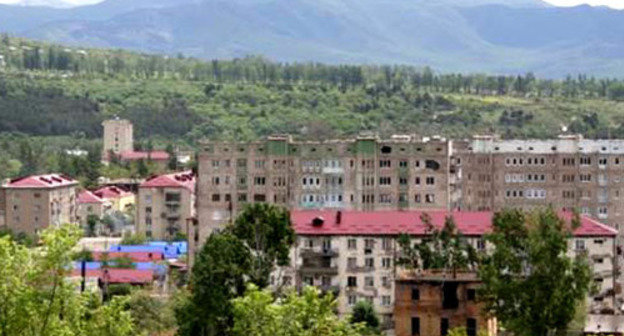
{"x":118,"y":136}
{"x":324,"y":262}
{"x":360,"y":174}
{"x":32,"y":210}
{"x":428,"y":307}
{"x":163,"y":211}
{"x":84,"y":210}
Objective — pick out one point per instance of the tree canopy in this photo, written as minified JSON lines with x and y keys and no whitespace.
{"x":529,"y":282}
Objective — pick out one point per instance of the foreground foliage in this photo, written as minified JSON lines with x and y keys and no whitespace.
{"x":258,"y":313}
{"x":529,"y":283}
{"x":36,"y":299}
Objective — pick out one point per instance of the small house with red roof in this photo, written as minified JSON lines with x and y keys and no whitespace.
{"x":164,"y":203}
{"x":90,"y":204}
{"x":120,"y":198}
{"x":32,"y":203}
{"x":351,"y":253}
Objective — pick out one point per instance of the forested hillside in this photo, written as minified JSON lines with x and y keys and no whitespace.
{"x":48,"y":90}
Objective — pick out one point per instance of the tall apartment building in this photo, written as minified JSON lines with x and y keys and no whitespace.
{"x":351,"y":253}
{"x":118,"y":136}
{"x":165,"y":204}
{"x":365,"y":173}
{"x":567,"y":173}
{"x":33,"y":203}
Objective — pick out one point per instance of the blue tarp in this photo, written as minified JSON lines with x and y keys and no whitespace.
{"x":170,"y":251}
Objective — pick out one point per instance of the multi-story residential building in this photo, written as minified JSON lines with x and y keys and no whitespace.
{"x":567,"y":173}
{"x":432,"y":304}
{"x":351,"y":253}
{"x":119,"y":140}
{"x":165,"y":203}
{"x":90,"y":204}
{"x":118,"y":137}
{"x":33,"y":203}
{"x":365,"y":173}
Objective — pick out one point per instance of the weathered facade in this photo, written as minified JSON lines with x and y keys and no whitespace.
{"x":434,"y":303}
{"x":164,"y":205}
{"x":351,"y":253}
{"x":33,"y":203}
{"x":118,"y":137}
{"x":365,"y":173}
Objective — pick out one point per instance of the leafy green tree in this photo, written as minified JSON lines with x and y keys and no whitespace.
{"x":364,"y":312}
{"x":92,"y":222}
{"x":445,"y":249}
{"x":267,"y":231}
{"x":257,"y":313}
{"x":36,"y":299}
{"x":133,"y":239}
{"x":172,"y":164}
{"x":529,"y":282}
{"x":142,"y":169}
{"x":218,"y":275}
{"x":151,"y":314}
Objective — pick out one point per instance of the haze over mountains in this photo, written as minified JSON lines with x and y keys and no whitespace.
{"x":496,"y":36}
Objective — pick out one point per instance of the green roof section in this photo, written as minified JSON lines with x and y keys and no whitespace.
{"x":277,"y":147}
{"x":366,"y":146}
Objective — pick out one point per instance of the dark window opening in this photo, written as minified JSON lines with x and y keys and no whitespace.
{"x":433,"y":165}
{"x":415,"y":294}
{"x":444,"y":326}
{"x":471,"y":294}
{"x":471,"y":327}
{"x":449,"y":296}
{"x":386,"y":149}
{"x":415,"y":326}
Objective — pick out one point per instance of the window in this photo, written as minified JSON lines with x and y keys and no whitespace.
{"x":417,"y":181}
{"x":259,"y":163}
{"x":385,"y":282}
{"x":172,"y":197}
{"x":579,"y":245}
{"x":351,"y":263}
{"x":385,"y":164}
{"x":386,"y":243}
{"x":351,"y":281}
{"x":402,"y":180}
{"x":352,"y":244}
{"x":415,"y":326}
{"x":430,"y":198}
{"x":242,"y":197}
{"x":415,"y":294}
{"x":471,"y":294}
{"x":444,"y":326}
{"x":386,"y":262}
{"x":216,"y":197}
{"x":259,"y":198}
{"x":369,"y":262}
{"x":385,"y":181}
{"x":471,"y":327}
{"x":417,"y":198}
{"x":260,"y":180}
{"x":352,"y":300}
{"x":430,"y":180}
{"x":385,"y":300}
{"x":369,"y":281}
{"x":481,"y":245}
{"x":215,"y":163}
{"x":368,"y":246}
{"x":403,"y":164}
{"x":585,"y":161}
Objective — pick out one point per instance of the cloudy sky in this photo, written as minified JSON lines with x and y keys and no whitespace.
{"x":619,"y":4}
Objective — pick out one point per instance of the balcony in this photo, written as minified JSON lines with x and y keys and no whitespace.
{"x":319,"y":269}
{"x":315,"y":253}
{"x":333,"y":170}
{"x":360,"y":269}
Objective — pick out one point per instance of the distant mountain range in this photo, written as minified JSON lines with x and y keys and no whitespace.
{"x":495,"y":36}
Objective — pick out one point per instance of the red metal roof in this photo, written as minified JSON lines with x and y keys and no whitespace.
{"x":395,"y":222}
{"x":109,"y":192}
{"x":137,"y":155}
{"x":176,"y":180}
{"x":119,"y":275}
{"x":135,"y":256}
{"x":42,"y":181}
{"x":87,"y":197}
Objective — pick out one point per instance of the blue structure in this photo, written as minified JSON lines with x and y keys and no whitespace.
{"x":182,"y":246}
{"x":170,"y":251}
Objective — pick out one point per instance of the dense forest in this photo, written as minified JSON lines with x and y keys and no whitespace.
{"x":57,"y":92}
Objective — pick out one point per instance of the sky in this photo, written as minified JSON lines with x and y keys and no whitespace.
{"x":619,"y":4}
